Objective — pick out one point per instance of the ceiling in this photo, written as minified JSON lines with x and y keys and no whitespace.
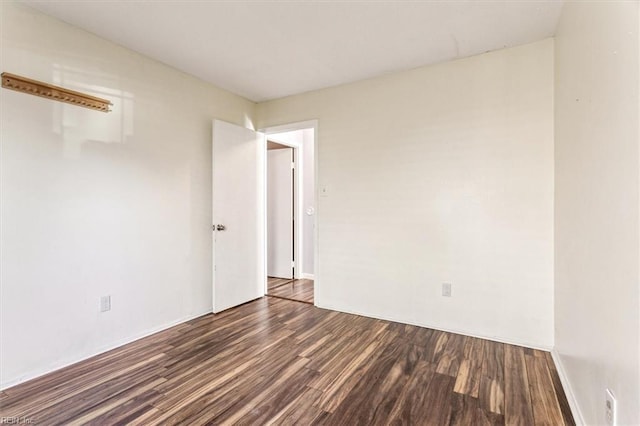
{"x":270,"y":49}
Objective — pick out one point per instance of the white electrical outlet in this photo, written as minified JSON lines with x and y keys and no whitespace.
{"x":610,"y":408}
{"x":105,"y":303}
{"x":446,"y":289}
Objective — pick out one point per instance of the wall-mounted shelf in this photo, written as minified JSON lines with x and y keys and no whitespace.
{"x":44,"y":90}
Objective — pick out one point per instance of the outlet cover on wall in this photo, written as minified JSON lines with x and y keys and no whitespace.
{"x":610,"y":408}
{"x":105,"y":303}
{"x":446,"y":289}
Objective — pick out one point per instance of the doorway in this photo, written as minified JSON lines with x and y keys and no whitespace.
{"x":290,"y":212}
{"x":280,"y":210}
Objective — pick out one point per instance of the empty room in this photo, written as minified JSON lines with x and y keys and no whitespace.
{"x":320,"y":212}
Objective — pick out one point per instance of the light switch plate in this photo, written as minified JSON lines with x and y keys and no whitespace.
{"x":446,"y":289}
{"x":105,"y":303}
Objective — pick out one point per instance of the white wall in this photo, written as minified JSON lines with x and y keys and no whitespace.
{"x":439,"y":174}
{"x":597,"y":212}
{"x":96,"y":204}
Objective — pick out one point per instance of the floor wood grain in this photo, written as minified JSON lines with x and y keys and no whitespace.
{"x":280,"y":362}
{"x":300,"y":290}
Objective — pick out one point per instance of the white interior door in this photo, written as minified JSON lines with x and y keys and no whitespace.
{"x":280,"y":213}
{"x":238,"y":215}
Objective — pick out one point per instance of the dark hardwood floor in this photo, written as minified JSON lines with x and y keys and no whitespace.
{"x":274,"y":361}
{"x":300,"y":290}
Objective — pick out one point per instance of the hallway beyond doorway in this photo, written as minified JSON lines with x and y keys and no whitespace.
{"x":299,"y":290}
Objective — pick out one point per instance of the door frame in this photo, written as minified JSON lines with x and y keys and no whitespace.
{"x":299,"y":208}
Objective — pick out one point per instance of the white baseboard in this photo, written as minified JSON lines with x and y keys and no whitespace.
{"x":73,"y":360}
{"x":308,"y":276}
{"x":568,"y":390}
{"x":448,"y":330}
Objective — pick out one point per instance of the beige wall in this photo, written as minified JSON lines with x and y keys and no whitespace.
{"x":597,"y":214}
{"x":100,"y":204}
{"x":443,"y":174}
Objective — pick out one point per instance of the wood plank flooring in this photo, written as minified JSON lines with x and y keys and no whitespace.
{"x":274,"y":361}
{"x":300,"y":290}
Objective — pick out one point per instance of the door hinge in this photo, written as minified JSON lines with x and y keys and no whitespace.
{"x":293,"y":263}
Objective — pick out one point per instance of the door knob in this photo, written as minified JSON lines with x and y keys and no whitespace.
{"x":220,"y":227}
